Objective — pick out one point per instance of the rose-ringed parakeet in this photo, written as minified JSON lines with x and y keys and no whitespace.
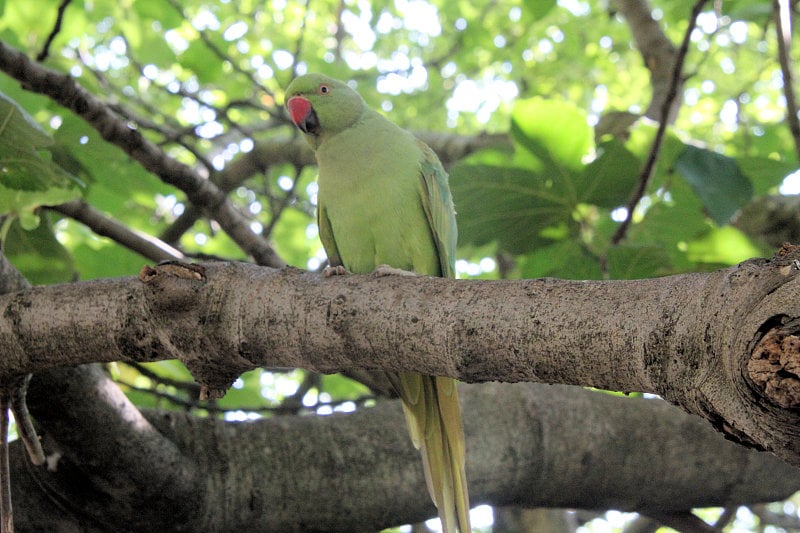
{"x":383,"y":199}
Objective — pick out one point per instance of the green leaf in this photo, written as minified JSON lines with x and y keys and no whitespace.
{"x":28,"y":177}
{"x":609,"y":179}
{"x":723,"y":246}
{"x":765,"y":173}
{"x":509,"y":205}
{"x":200,"y":60}
{"x":21,"y":166}
{"x":154,"y":10}
{"x":539,"y":8}
{"x":23,"y":203}
{"x":515,"y":199}
{"x":675,"y":217}
{"x":638,"y":261}
{"x":38,"y":254}
{"x":247,"y":393}
{"x":640,"y":143}
{"x":717,"y":180}
{"x":757,"y":11}
{"x":341,"y":387}
{"x":555,"y":131}
{"x":565,"y":260}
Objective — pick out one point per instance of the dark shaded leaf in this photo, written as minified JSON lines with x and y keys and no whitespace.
{"x":717,"y":180}
{"x":539,"y":8}
{"x":565,"y":260}
{"x":637,"y":262}
{"x":609,"y":179}
{"x":38,"y":254}
{"x":509,"y":205}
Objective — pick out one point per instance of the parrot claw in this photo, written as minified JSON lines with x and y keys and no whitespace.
{"x":337,"y":270}
{"x":386,"y":270}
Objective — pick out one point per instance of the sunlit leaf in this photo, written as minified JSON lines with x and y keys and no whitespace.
{"x":22,"y":166}
{"x":765,"y":173}
{"x":724,"y":246}
{"x":554,"y":130}
{"x":341,"y":387}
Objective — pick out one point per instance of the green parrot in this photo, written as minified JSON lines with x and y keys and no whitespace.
{"x":383,"y":199}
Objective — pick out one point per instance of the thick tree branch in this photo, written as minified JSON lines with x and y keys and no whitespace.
{"x":694,"y":339}
{"x":528,"y":445}
{"x":107,"y":465}
{"x":64,"y":90}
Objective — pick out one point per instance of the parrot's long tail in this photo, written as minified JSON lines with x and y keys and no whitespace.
{"x":433,"y":416}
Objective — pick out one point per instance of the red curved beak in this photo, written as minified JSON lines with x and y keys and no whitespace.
{"x":303,"y":114}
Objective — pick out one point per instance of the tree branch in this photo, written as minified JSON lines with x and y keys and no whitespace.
{"x":141,"y":243}
{"x":107,"y":465}
{"x":578,"y":448}
{"x":669,"y":101}
{"x":658,"y":54}
{"x":62,"y":7}
{"x":782,"y":11}
{"x":66,"y":91}
{"x":705,"y":342}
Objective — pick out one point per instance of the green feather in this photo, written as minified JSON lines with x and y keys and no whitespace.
{"x":384,"y":199}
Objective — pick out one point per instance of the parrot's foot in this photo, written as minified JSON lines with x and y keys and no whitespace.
{"x":337,"y":270}
{"x":386,"y":270}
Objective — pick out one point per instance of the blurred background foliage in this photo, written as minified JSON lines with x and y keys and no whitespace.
{"x":563,"y":84}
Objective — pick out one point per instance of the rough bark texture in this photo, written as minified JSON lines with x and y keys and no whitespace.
{"x":688,"y":338}
{"x":359,"y":472}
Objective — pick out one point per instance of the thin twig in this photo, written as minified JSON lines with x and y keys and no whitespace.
{"x":145,"y":245}
{"x":226,"y":58}
{"x":783,"y":27}
{"x":56,"y":28}
{"x":650,"y":164}
{"x":25,"y":429}
{"x":291,"y":406}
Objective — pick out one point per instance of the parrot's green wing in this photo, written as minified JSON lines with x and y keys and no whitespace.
{"x":438,"y":205}
{"x":326,"y":236}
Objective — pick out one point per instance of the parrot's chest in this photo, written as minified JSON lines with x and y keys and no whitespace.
{"x":375,"y":212}
{"x":369,"y":224}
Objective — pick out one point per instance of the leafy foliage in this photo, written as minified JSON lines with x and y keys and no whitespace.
{"x":28,"y":177}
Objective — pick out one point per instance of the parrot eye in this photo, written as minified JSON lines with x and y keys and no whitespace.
{"x":324,"y":88}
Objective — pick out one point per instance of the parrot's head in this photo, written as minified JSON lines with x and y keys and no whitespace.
{"x":321,"y":106}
